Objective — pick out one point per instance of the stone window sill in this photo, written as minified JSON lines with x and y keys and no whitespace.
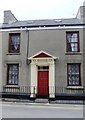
{"x":13,"y":54}
{"x":11,"y":86}
{"x":73,"y":53}
{"x":74,"y":87}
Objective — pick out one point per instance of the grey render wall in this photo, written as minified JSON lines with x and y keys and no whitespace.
{"x":0,"y":61}
{"x":19,"y":58}
{"x":52,"y":41}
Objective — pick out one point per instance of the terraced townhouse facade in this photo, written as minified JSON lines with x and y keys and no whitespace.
{"x":42,"y":57}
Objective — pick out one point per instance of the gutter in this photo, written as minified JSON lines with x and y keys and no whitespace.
{"x":37,"y":26}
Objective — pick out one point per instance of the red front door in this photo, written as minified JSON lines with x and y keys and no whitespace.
{"x":43,"y":77}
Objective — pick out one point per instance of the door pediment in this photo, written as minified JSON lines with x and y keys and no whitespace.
{"x":42,"y":54}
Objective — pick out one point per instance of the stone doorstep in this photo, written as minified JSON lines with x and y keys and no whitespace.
{"x":39,"y":100}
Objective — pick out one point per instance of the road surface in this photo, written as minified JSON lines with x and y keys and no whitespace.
{"x":20,"y":110}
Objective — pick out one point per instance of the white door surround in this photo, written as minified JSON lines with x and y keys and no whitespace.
{"x":36,"y":61}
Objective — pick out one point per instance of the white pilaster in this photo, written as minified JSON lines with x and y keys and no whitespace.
{"x":33,"y":79}
{"x":52,"y":80}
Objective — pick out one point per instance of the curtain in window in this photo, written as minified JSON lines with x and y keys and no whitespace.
{"x":15,"y":41}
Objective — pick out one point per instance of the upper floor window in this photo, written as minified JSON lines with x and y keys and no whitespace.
{"x":12,"y":74}
{"x":73,"y":74}
{"x":14,"y":43}
{"x":72,"y":41}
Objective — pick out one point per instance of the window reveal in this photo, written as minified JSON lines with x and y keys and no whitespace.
{"x":13,"y":74}
{"x":72,"y":41}
{"x":14,"y":43}
{"x":73,"y":74}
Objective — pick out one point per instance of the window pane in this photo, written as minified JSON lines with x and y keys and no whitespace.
{"x":73,"y":69}
{"x":69,"y":69}
{"x":75,"y":47}
{"x":77,"y":80}
{"x":77,"y":69}
{"x":72,"y":47}
{"x":70,"y":80}
{"x":74,"y":37}
{"x":69,"y":48}
{"x":69,"y":37}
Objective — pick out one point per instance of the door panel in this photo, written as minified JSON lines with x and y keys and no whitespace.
{"x":43,"y":77}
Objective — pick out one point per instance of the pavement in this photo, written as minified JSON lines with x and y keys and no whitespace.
{"x":23,"y":101}
{"x":26,"y":102}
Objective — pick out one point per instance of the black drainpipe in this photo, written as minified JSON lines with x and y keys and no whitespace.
{"x":27,"y":61}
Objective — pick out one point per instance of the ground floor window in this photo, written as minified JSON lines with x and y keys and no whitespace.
{"x":73,"y":74}
{"x":12,"y":74}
